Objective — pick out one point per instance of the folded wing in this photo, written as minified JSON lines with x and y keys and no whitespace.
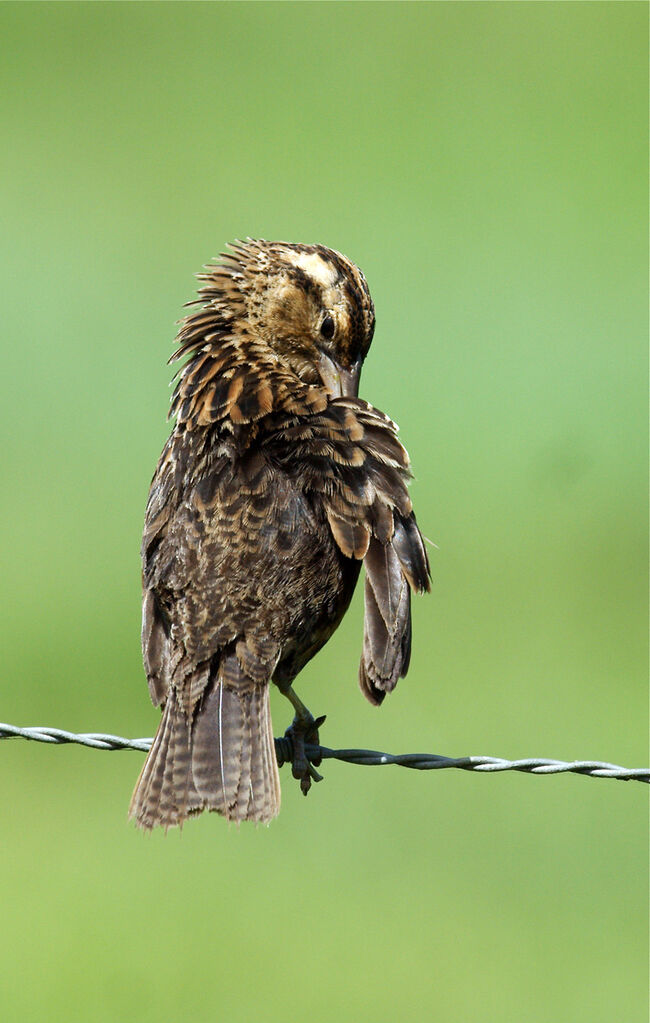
{"x":350,"y":456}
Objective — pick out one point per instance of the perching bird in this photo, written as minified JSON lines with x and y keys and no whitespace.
{"x":276,"y":483}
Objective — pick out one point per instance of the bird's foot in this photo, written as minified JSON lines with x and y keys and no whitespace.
{"x":303,"y":731}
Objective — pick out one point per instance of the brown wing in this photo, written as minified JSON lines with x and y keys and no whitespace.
{"x":156,"y":646}
{"x":349,"y":456}
{"x":202,"y":535}
{"x":234,"y":554}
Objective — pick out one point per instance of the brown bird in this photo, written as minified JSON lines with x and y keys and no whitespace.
{"x":276,"y":483}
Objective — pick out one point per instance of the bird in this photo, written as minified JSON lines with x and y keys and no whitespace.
{"x":276,"y":484}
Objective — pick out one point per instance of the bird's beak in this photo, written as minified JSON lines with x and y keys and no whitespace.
{"x":340,"y":382}
{"x":350,"y":380}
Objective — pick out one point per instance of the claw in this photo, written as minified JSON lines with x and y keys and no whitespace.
{"x":312,"y":739}
{"x":303,"y":731}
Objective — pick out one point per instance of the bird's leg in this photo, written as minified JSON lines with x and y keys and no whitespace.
{"x":303,"y":731}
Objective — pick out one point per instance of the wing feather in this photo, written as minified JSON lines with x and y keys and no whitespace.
{"x":350,"y":457}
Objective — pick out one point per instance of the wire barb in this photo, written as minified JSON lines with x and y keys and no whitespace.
{"x":365,"y":757}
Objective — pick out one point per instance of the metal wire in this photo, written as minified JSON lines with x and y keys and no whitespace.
{"x":366,"y":757}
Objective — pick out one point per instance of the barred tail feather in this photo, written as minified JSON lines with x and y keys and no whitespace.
{"x":164,"y":794}
{"x":222,"y":760}
{"x":234,"y":766}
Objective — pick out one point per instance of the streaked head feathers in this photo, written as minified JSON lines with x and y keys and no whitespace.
{"x":290,"y":310}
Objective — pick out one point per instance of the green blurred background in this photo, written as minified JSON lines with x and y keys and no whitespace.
{"x":486,"y":167}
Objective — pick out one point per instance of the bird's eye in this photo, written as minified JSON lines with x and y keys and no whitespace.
{"x":327,"y":328}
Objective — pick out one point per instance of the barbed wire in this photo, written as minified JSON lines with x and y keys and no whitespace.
{"x":365,"y":757}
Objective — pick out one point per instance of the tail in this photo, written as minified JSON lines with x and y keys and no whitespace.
{"x":222,"y":759}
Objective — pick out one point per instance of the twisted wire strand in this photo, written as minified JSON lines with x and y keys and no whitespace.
{"x":365,"y":757}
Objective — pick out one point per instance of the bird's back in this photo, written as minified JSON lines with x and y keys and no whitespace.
{"x":245,"y":557}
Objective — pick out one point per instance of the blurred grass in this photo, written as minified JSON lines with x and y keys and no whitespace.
{"x":486,"y":166}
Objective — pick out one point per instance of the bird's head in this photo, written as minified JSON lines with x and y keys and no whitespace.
{"x":303,"y":310}
{"x":310,"y":306}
